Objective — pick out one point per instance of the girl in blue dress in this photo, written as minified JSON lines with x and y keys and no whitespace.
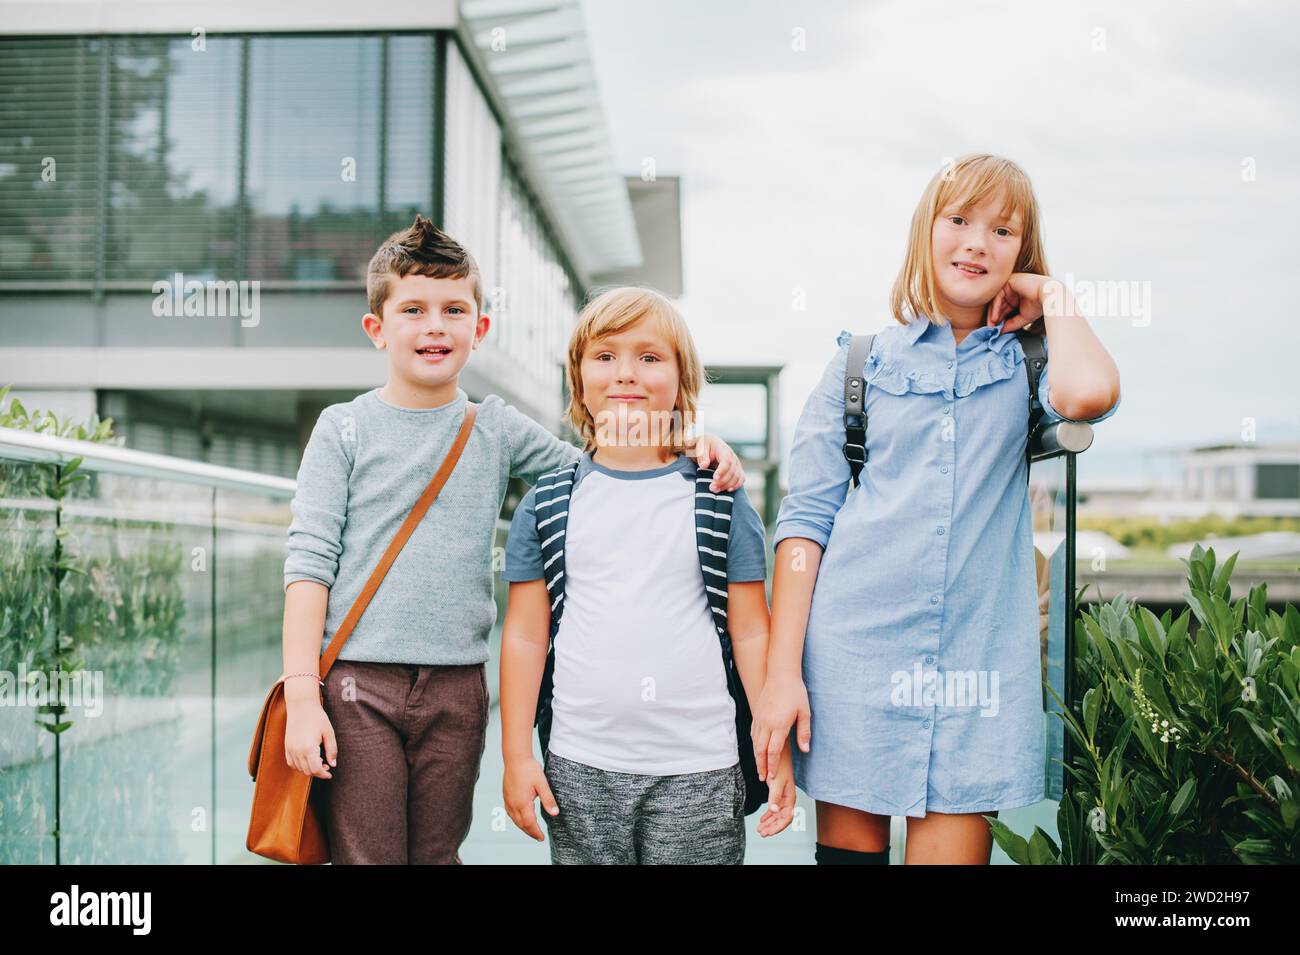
{"x":905,"y":647}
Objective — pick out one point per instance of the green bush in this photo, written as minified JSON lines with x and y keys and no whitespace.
{"x":1186,"y":738}
{"x":1150,"y":533}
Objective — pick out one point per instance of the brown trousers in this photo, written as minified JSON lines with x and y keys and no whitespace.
{"x":411,"y":739}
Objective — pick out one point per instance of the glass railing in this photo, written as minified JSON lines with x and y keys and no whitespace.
{"x":150,"y":590}
{"x":144,"y":594}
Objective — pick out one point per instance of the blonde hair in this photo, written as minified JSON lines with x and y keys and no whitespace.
{"x":613,"y":312}
{"x":966,"y":183}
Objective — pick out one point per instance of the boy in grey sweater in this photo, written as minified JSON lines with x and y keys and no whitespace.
{"x":406,"y":701}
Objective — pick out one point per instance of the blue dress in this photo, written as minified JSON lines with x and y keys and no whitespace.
{"x":921,"y":656}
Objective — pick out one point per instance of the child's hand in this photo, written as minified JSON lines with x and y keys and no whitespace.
{"x":782,"y":704}
{"x":1020,"y":301}
{"x":728,"y":474}
{"x":780,"y":802}
{"x":306,"y":728}
{"x":525,"y":781}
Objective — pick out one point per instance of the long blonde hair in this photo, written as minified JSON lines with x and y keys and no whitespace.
{"x":965,"y":183}
{"x":615,"y":311}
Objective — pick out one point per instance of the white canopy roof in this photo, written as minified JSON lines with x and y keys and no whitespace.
{"x":535,"y":53}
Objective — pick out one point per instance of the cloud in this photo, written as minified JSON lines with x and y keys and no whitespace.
{"x":801,"y":169}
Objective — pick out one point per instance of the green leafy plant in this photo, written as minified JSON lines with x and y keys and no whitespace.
{"x":33,"y":622}
{"x":80,"y":590}
{"x":1187,"y":734}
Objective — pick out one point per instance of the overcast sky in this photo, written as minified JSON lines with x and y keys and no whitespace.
{"x":1140,"y":128}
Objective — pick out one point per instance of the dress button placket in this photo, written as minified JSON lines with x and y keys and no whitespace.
{"x":947,"y":500}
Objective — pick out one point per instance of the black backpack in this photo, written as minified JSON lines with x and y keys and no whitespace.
{"x":712,"y":525}
{"x":855,"y":413}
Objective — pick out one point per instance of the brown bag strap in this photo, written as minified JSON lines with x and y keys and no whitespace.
{"x":399,"y":541}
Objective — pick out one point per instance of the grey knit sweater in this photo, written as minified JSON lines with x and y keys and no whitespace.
{"x":364,"y":467}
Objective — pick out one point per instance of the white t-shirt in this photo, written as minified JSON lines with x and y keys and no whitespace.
{"x":639,"y":685}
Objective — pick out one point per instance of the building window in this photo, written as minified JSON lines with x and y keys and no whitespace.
{"x":49,"y":157}
{"x":538,"y":304}
{"x":1225,"y":483}
{"x":172,"y":176}
{"x":1277,"y":482}
{"x":472,"y":173}
{"x":408,"y":158}
{"x":313,"y":157}
{"x":173,"y":159}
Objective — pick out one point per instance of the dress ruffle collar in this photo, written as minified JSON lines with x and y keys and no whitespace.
{"x":899,"y":368}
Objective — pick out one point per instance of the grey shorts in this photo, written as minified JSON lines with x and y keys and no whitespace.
{"x":609,"y":818}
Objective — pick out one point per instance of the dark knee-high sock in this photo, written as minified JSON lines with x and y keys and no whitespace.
{"x":832,"y":855}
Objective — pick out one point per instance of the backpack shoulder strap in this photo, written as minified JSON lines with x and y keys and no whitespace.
{"x":855,"y":411}
{"x":713,"y":514}
{"x":551,"y":506}
{"x":1035,"y":359}
{"x":712,"y":537}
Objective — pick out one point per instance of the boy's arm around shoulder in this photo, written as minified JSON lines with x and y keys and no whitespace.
{"x":533,"y":450}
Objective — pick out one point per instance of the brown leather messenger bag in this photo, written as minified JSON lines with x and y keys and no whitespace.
{"x":285,"y":823}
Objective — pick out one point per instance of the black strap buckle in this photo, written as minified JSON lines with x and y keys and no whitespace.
{"x":854,"y":458}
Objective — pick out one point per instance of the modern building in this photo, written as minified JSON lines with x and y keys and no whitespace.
{"x":1244,"y":480}
{"x":189,"y":196}
{"x":263,"y":151}
{"x":1229,"y":480}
